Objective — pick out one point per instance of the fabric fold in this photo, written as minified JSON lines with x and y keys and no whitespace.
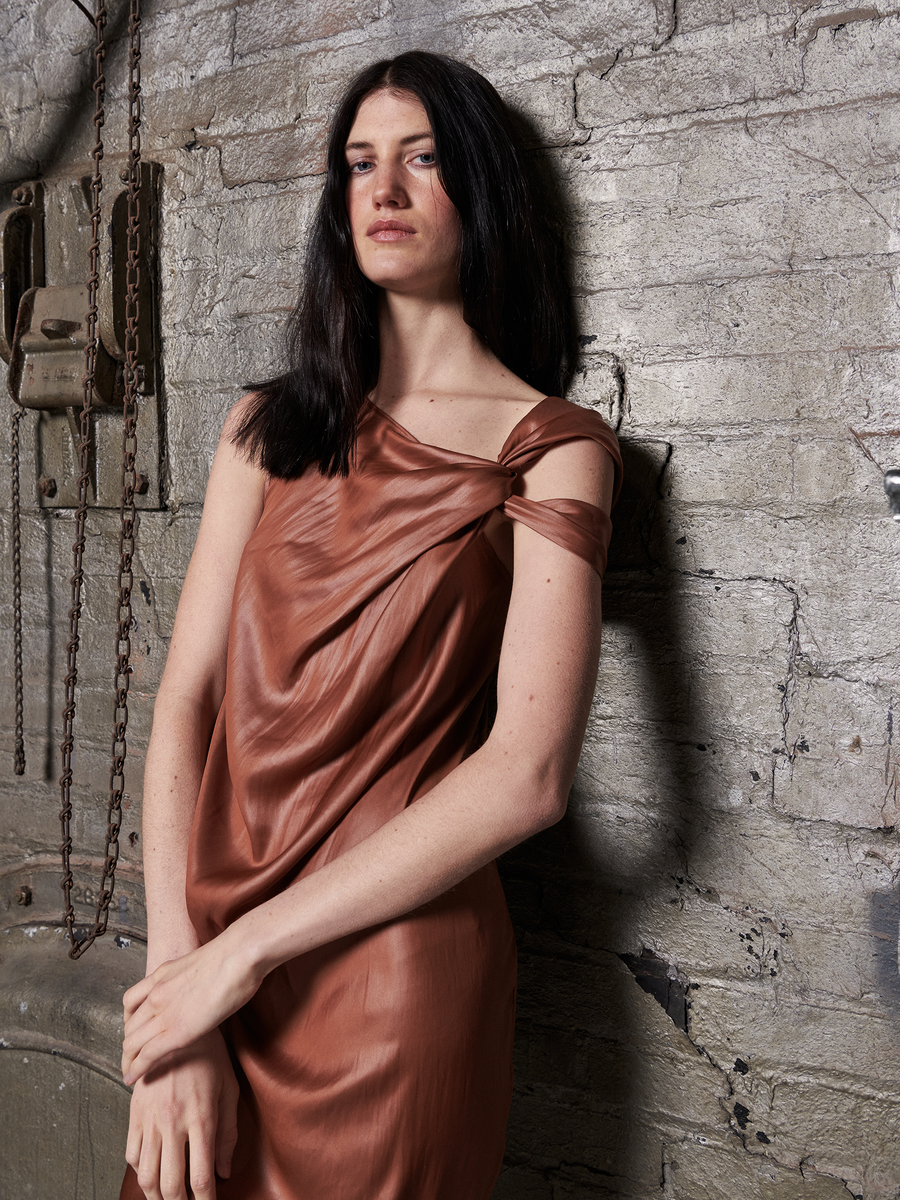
{"x":582,"y":528}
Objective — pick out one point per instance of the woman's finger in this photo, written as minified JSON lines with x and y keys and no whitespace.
{"x":147,"y":1029}
{"x":147,"y":1167}
{"x":136,"y":1070}
{"x":226,"y":1127}
{"x":131,"y":1047}
{"x":133,"y":1145}
{"x":201,"y":1163}
{"x":153,"y":1051}
{"x":136,"y":995}
{"x":172,"y":1170}
{"x":137,"y":1031}
{"x":154,"y":1000}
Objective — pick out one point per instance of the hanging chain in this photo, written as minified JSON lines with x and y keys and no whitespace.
{"x":127,"y":514}
{"x":84,"y":458}
{"x":17,"y":592}
{"x":129,"y":479}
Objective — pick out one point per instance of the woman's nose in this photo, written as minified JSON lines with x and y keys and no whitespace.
{"x":389,"y":191}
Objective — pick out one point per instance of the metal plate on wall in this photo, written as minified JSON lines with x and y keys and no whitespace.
{"x":47,"y":362}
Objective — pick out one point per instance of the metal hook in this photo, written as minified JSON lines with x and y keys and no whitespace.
{"x":892,"y":487}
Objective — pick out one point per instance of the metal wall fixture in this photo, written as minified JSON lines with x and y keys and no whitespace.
{"x":892,"y":487}
{"x":44,"y":242}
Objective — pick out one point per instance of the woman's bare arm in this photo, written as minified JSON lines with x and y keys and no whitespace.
{"x":191,"y":1099}
{"x":191,"y":692}
{"x":515,"y":785}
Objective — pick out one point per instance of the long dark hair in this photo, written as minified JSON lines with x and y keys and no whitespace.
{"x":511,"y":272}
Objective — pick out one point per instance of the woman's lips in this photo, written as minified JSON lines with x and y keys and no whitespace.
{"x":389,"y":231}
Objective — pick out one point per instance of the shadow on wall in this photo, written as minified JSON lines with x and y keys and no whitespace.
{"x":579,"y":895}
{"x":884,"y":916}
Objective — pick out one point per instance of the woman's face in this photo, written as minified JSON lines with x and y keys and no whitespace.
{"x":405,"y":231}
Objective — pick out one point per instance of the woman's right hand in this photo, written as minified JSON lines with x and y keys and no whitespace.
{"x":189,"y":1100}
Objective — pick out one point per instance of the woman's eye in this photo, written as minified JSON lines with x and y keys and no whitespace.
{"x":427,"y":158}
{"x":361,"y":167}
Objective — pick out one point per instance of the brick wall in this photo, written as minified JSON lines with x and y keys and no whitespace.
{"x":709,"y":993}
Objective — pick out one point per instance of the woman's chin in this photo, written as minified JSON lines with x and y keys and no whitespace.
{"x":395,"y":273}
{"x":429,"y":288}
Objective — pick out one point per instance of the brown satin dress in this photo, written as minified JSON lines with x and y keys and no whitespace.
{"x":366,"y":626}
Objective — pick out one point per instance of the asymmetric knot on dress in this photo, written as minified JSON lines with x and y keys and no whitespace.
{"x":366,"y":626}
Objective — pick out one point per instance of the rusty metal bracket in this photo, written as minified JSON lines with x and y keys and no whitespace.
{"x":41,"y":239}
{"x":892,"y":487}
{"x":48,"y":362}
{"x":21,"y":256}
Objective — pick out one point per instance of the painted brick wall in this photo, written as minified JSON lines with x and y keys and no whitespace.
{"x":709,"y":994}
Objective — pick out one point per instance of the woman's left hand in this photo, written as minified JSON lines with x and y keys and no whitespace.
{"x":182,"y":1000}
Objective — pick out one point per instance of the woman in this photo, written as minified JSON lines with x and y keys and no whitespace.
{"x":328,"y":1007}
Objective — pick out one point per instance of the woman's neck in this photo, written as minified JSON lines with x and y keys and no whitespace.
{"x":426,"y":346}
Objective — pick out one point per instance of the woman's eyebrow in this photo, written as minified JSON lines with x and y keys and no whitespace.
{"x":406,"y":141}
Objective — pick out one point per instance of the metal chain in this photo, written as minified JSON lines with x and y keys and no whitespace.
{"x":17,"y":593}
{"x":84,"y":457}
{"x":127,"y":512}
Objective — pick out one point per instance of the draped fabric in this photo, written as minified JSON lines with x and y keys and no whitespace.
{"x":366,"y":627}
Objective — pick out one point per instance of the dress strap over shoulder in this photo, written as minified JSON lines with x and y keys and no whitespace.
{"x":582,"y":528}
{"x":575,"y":525}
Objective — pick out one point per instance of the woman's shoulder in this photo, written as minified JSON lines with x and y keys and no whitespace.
{"x":557,"y":423}
{"x":235,"y":475}
{"x":237,"y":417}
